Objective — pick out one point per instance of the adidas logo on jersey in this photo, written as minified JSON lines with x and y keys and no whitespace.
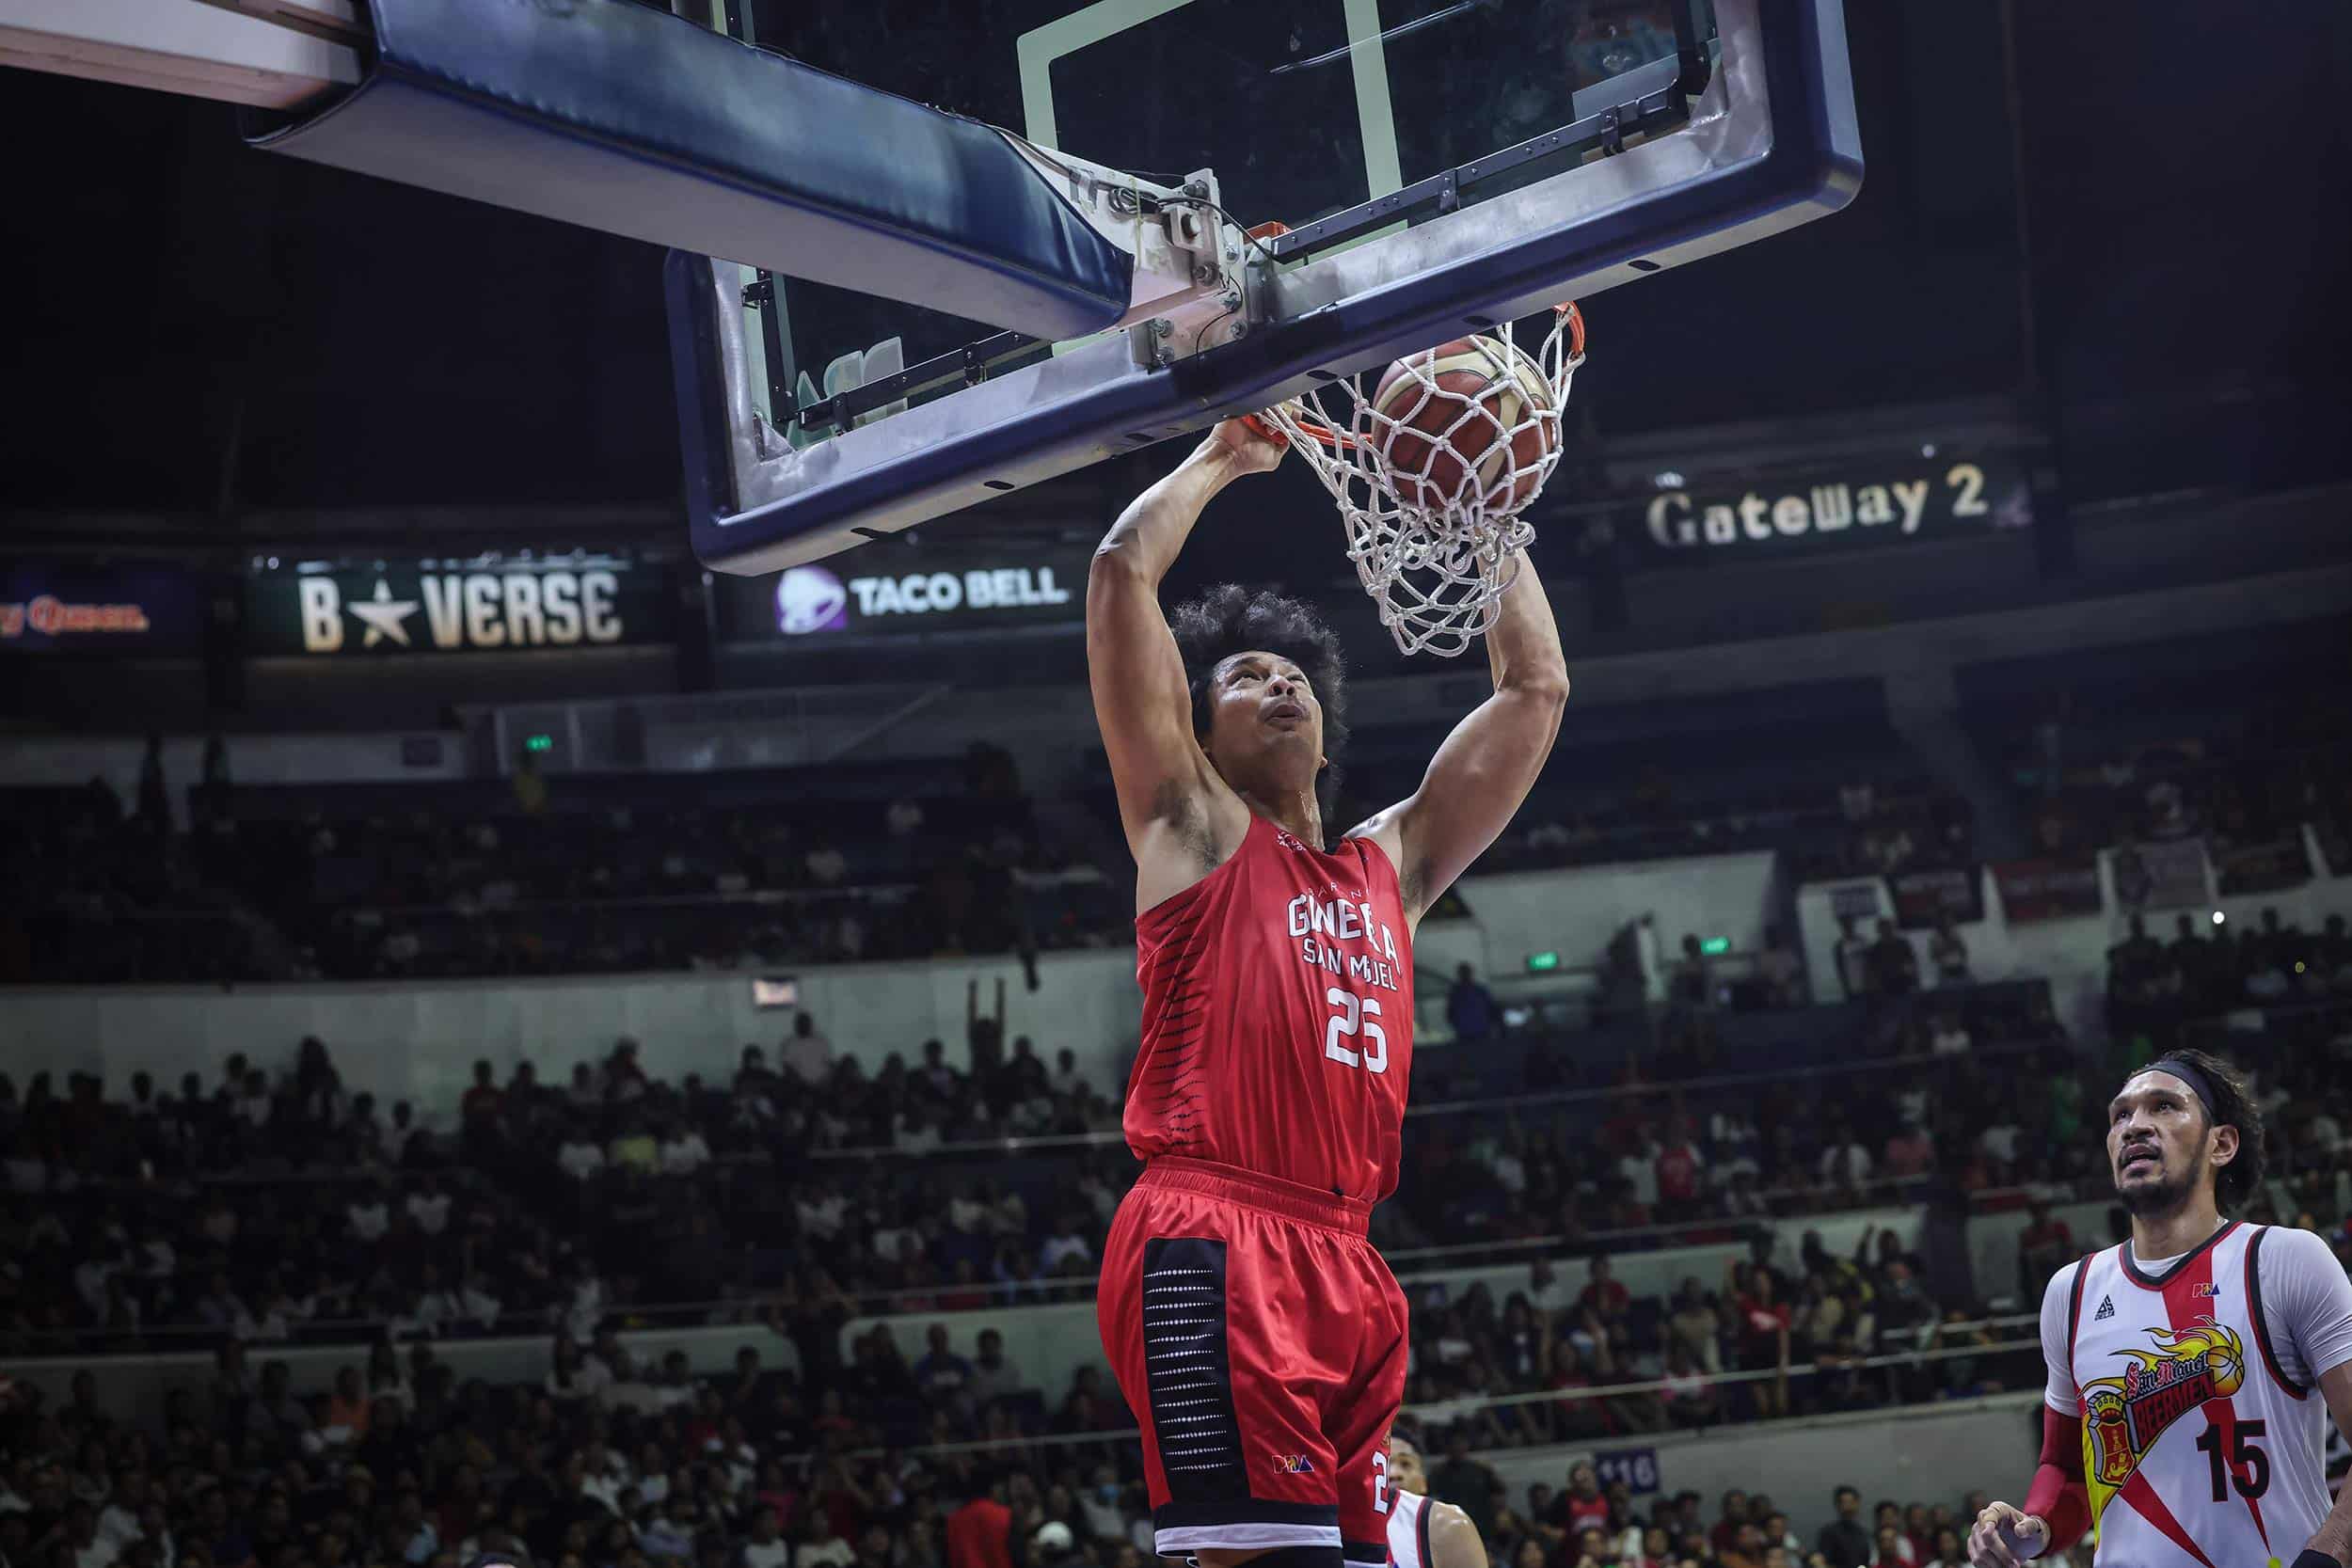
{"x":2106,"y":1310}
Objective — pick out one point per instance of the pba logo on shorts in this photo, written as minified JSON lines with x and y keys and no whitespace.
{"x":809,"y":598}
{"x":1295,"y":1464}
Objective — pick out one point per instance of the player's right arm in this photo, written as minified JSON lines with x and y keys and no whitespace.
{"x":2057,"y":1508}
{"x":1179,"y":819}
{"x":1453,"y":1539}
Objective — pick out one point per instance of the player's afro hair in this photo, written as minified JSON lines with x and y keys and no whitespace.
{"x":2233,"y":1106}
{"x":1230,"y":619}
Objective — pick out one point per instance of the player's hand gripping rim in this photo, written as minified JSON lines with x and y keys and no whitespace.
{"x":1257,"y":447}
{"x":2003,"y":1537}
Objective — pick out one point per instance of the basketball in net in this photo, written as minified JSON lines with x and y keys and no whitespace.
{"x":1472,"y":421}
{"x":1434,"y":466}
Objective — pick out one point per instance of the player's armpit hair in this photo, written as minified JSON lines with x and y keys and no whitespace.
{"x":1454,"y":1540}
{"x":2233,"y":1106}
{"x":1229,"y":619}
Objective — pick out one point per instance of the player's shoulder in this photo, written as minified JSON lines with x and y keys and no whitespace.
{"x":2291,"y":1246}
{"x":2058,"y":1294}
{"x":1447,"y":1517}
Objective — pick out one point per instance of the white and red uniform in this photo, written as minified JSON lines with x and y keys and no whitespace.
{"x":1409,"y":1529}
{"x":2196,"y":1379}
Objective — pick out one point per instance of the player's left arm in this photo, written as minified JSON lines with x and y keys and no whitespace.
{"x":1484,"y":770}
{"x":2307,"y":1297}
{"x":1453,"y":1539}
{"x":2332,"y":1540}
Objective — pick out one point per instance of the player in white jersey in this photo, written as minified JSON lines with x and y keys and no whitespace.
{"x":1423,"y":1532}
{"x":2193,"y":1369}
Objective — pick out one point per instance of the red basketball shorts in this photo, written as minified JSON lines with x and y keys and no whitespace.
{"x":1261,"y":1342}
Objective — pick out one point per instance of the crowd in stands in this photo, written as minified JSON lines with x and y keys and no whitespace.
{"x":272,"y":1208}
{"x":1582,"y":1523}
{"x":536,"y":875}
{"x":279,"y":1206}
{"x":606,"y":1465}
{"x":2208,"y":969}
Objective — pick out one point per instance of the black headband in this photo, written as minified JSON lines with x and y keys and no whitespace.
{"x":2188,"y":1073}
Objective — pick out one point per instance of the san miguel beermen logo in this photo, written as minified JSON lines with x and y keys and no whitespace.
{"x":2122,"y":1416}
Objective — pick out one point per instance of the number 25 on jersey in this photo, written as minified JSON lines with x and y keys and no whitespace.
{"x":1355,"y":1018}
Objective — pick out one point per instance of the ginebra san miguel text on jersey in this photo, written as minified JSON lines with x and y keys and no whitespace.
{"x":1277,"y":1016}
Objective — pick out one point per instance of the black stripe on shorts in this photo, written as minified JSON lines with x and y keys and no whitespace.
{"x":1187,"y":1372}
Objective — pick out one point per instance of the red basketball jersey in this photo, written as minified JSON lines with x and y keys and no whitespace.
{"x":1277,"y":1016}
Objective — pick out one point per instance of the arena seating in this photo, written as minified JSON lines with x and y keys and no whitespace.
{"x":281,"y":1213}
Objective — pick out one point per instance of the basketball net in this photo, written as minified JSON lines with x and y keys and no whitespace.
{"x":1434,"y":511}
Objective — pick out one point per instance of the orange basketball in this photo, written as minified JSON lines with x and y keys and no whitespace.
{"x":1470,"y":419}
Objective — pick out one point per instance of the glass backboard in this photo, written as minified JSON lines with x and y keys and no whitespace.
{"x":1436,"y":161}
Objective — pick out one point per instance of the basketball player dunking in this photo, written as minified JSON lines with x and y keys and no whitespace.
{"x":1422,"y":1531}
{"x":2183,"y":1415}
{"x":1254,"y":1329}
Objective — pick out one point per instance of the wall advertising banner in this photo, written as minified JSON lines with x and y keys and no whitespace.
{"x":2039,"y":890}
{"x":1924,"y":897}
{"x":483,"y":604}
{"x":884,"y":591}
{"x":2168,"y":875}
{"x":111,"y":611}
{"x":1858,"y":505}
{"x":2271,"y":867}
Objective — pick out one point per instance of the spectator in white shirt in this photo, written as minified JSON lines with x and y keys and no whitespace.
{"x":1012,"y":1214}
{"x":579,"y":1156}
{"x":1949,"y":1037}
{"x":584,"y":1308}
{"x":1066,"y":1246}
{"x":253,"y":1105}
{"x":826,"y":866}
{"x":155,"y":1257}
{"x":1948,"y":954}
{"x":968,"y":1214}
{"x":1638,"y":1167}
{"x":89,"y":1548}
{"x":822,"y":1549}
{"x":369,"y":1216}
{"x":90,"y":1276}
{"x":276,"y":1319}
{"x":823,"y":1211}
{"x":407,"y":1138}
{"x":806,"y":1050}
{"x":916,"y":1133}
{"x":574,"y":1377}
{"x":994,"y":1376}
{"x":1509,"y":1168}
{"x":429,"y":1207}
{"x":604,"y":1477}
{"x":764,"y":1547}
{"x":1844,"y":1162}
{"x":684,"y":1152}
{"x":118,"y":1521}
{"x":2000,"y":1142}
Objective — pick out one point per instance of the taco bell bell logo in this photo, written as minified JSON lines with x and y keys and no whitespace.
{"x":809,"y":598}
